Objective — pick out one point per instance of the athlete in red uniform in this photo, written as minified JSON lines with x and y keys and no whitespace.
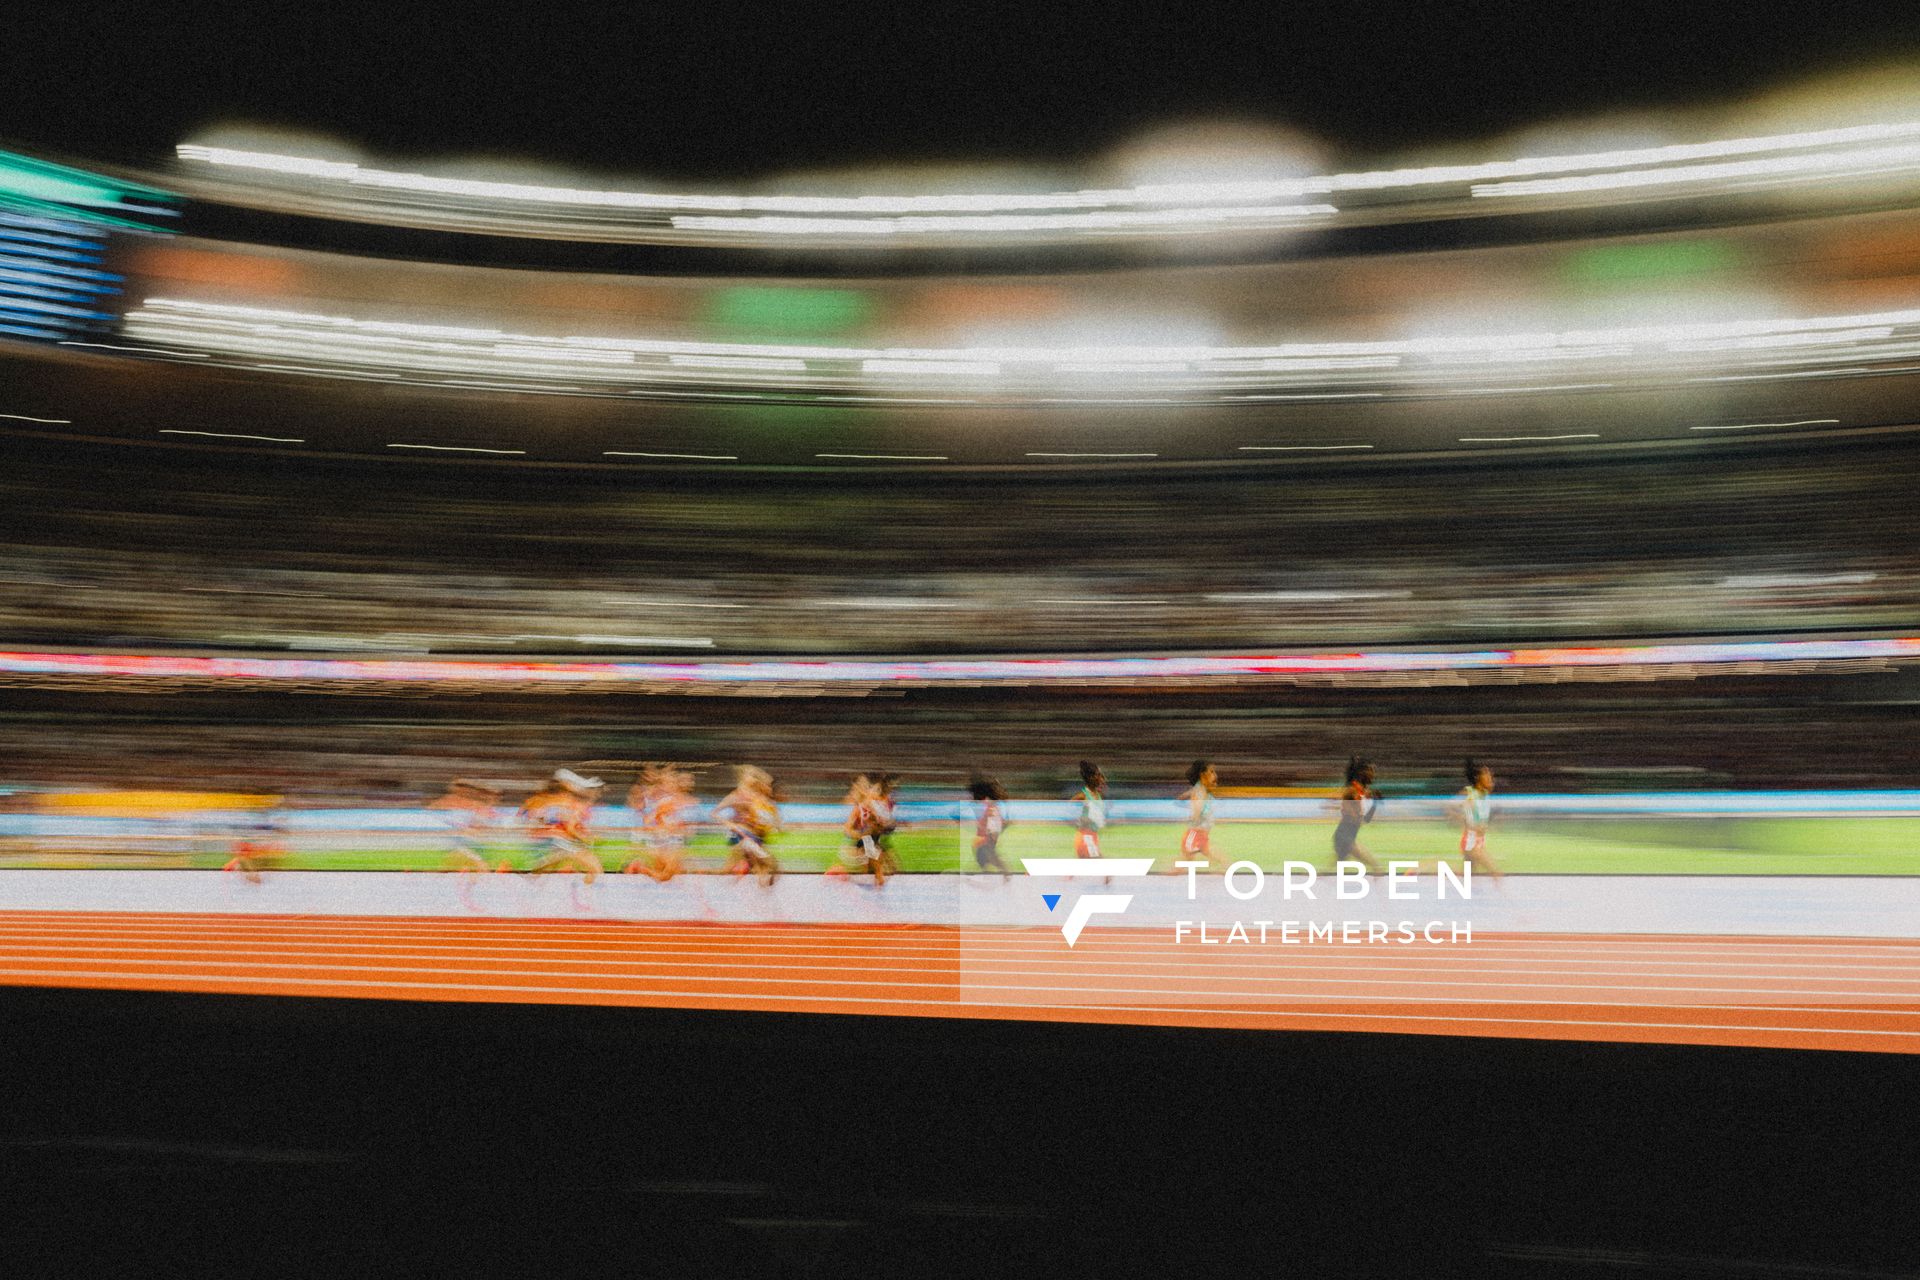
{"x":989,"y":801}
{"x":1197,"y":843}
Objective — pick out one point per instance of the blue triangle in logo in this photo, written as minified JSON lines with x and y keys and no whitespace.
{"x":1051,"y":899}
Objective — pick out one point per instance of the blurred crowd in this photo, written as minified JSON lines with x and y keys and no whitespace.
{"x":1795,"y":731}
{"x":229,"y":552}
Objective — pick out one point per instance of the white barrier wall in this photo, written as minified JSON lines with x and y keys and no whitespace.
{"x":1787,"y":906}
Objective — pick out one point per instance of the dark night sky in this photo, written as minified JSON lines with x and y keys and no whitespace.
{"x":716,"y":89}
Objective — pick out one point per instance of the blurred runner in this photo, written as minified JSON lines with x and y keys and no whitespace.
{"x":560,"y":814}
{"x":1092,"y":818}
{"x":751,"y":815}
{"x":989,"y":821}
{"x":861,"y":851}
{"x":469,"y":807}
{"x":1472,"y":809}
{"x":260,"y":845}
{"x":1198,"y":841}
{"x":660,"y":799}
{"x":1359,"y":805}
{"x":884,"y":821}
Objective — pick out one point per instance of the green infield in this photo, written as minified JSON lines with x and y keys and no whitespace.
{"x":1629,"y":846}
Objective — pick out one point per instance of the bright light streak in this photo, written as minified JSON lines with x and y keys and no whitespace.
{"x":1503,"y":391}
{"x":490,"y":358}
{"x":23,"y":417}
{"x":769,"y":364}
{"x":1570,"y":435}
{"x":1842,"y":337}
{"x":1799,"y":580}
{"x":1308,"y":596}
{"x":145,"y":351}
{"x":702,"y":457}
{"x":657,"y":642}
{"x":551,"y":351}
{"x":887,"y":457}
{"x":1184,"y":196}
{"x":1199,"y":219}
{"x":232,"y":435}
{"x":1093,"y":455}
{"x":1114,"y":366}
{"x":1825,"y":164}
{"x":308,"y":368}
{"x":1294,"y":364}
{"x":1756,"y":426}
{"x":455,"y":448}
{"x":975,"y":367}
{"x":1299,"y":448}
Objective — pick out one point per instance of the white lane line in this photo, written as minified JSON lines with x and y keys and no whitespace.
{"x":1569,"y":435}
{"x":698,"y":457}
{"x":1450,"y":959}
{"x":829,"y":977}
{"x":1092,"y":455}
{"x":234,"y":957}
{"x":455,"y":448}
{"x":1299,"y":448}
{"x":233,"y":435}
{"x":1307,"y":969}
{"x":760,"y":940}
{"x":945,"y":938}
{"x":944,"y":1009}
{"x":1756,"y":426}
{"x":26,"y":417}
{"x":1316,"y":968}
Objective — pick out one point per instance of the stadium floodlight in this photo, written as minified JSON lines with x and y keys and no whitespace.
{"x":1147,"y":208}
{"x":1469,"y":363}
{"x":1176,"y":193}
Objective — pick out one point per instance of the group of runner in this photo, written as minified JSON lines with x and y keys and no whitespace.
{"x":558,"y":815}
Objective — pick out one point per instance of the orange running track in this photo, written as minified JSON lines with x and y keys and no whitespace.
{"x":1860,"y":994}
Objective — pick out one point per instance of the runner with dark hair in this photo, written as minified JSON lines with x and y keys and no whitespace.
{"x":1198,"y":841}
{"x":1359,"y":805}
{"x":1092,"y":818}
{"x":1472,"y":808}
{"x":989,"y":821}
